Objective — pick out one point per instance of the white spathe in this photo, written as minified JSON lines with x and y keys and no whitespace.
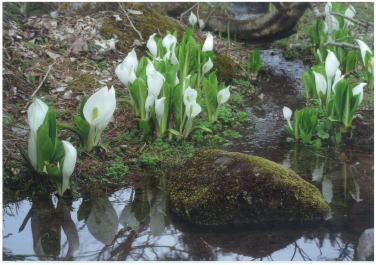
{"x":169,"y":41}
{"x":320,"y":83}
{"x":207,"y":66}
{"x":350,"y":12}
{"x":155,"y":82}
{"x":69,"y":162}
{"x":150,"y":67}
{"x":338,"y":77}
{"x":190,"y":96}
{"x":208,"y":44}
{"x":126,"y":71}
{"x":100,"y":107}
{"x":223,"y":95}
{"x":159,"y":108}
{"x":148,"y":103}
{"x":331,"y":65}
{"x":192,"y":19}
{"x":192,"y":110}
{"x":36,"y":115}
{"x":152,"y":45}
{"x":173,"y":58}
{"x":358,"y":90}
{"x":287,"y":113}
{"x":363,"y":49}
{"x":201,"y":23}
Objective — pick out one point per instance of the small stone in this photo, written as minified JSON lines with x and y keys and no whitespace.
{"x":134,"y":12}
{"x":20,"y":131}
{"x":123,"y":146}
{"x":15,"y":171}
{"x":68,"y":94}
{"x":14,"y":90}
{"x":54,"y":14}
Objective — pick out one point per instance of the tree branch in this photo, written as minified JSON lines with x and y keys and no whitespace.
{"x":130,"y":21}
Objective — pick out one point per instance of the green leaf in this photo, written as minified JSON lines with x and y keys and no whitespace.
{"x":175,"y":132}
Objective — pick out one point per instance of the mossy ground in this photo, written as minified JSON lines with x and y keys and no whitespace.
{"x":246,"y":188}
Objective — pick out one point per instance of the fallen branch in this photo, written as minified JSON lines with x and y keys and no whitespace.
{"x":130,"y":21}
{"x":355,"y":21}
{"x":41,"y":83}
{"x":329,"y":22}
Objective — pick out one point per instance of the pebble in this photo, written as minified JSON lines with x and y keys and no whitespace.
{"x":20,"y":131}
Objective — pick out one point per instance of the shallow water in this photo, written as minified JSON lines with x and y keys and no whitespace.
{"x":134,"y":223}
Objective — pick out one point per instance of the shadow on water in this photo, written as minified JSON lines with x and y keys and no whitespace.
{"x":134,"y":223}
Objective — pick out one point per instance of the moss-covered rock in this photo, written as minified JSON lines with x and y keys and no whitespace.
{"x":216,"y":187}
{"x":225,"y":68}
{"x":151,"y":21}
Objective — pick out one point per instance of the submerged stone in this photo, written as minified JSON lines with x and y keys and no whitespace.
{"x":216,"y":187}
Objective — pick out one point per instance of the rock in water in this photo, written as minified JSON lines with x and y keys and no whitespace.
{"x":216,"y":187}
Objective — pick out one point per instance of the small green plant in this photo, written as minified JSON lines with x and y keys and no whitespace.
{"x":255,"y":61}
{"x":117,"y":169}
{"x":304,"y":125}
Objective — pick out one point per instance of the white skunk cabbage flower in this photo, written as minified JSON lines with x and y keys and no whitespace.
{"x":159,"y":108}
{"x":287,"y":113}
{"x":201,"y":23}
{"x":338,"y":77}
{"x":36,"y":115}
{"x":169,"y":41}
{"x":177,"y":79}
{"x":208,"y":44}
{"x":150,"y":67}
{"x":331,"y":65}
{"x":148,"y":103}
{"x":126,"y":71}
{"x":190,"y":96}
{"x":358,"y":90}
{"x":173,"y":58}
{"x":207,"y":66}
{"x":192,"y":19}
{"x":223,"y":95}
{"x":350,"y":12}
{"x":99,"y":108}
{"x":69,"y":162}
{"x":152,"y":45}
{"x":320,"y":83}
{"x":363,"y":50}
{"x":155,"y":82}
{"x":192,"y":110}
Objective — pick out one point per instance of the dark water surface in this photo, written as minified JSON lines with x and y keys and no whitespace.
{"x":134,"y":223}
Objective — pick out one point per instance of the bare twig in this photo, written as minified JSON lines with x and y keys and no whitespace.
{"x":186,"y":11}
{"x":319,"y":14}
{"x":361,"y":23}
{"x":41,"y":83}
{"x":330,"y":40}
{"x":130,"y":21}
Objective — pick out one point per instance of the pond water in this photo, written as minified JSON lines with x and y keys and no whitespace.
{"x":134,"y":223}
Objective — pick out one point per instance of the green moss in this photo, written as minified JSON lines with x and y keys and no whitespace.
{"x":217,"y":187}
{"x":225,"y":68}
{"x":82,"y":82}
{"x":148,"y":23}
